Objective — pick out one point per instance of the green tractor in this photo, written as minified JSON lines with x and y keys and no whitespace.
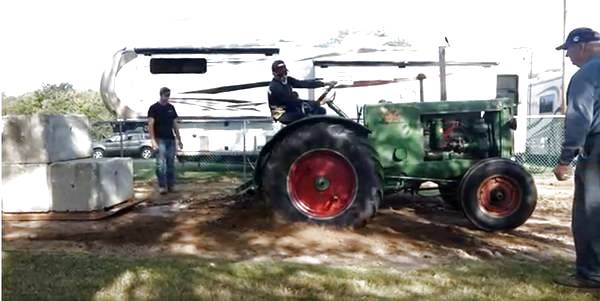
{"x":336,"y":171}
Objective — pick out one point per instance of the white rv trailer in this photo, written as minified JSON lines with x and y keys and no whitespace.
{"x":244,"y":136}
{"x":224,"y":124}
{"x":545,"y":95}
{"x":214,"y":119}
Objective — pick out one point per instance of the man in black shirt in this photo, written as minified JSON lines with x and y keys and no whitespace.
{"x":283,"y":102}
{"x":162,"y":124}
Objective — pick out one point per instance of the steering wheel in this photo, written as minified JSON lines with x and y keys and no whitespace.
{"x":328,"y":99}
{"x":321,"y":98}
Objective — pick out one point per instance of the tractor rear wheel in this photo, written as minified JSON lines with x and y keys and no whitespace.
{"x":323,"y":173}
{"x":497,"y":194}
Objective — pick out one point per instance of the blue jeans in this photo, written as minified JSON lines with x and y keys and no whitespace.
{"x":165,"y":163}
{"x":586,"y":211}
{"x":310,"y":108}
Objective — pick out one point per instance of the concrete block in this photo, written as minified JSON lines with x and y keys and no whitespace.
{"x":76,"y":185}
{"x":45,"y":138}
{"x":91,"y":184}
{"x":26,"y":188}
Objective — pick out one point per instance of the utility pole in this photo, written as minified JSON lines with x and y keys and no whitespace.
{"x":442,"y":53}
{"x":421,"y":77}
{"x":563,"y":105}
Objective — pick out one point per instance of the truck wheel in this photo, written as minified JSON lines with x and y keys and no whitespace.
{"x":497,"y":194}
{"x":449,"y":194}
{"x":146,"y":153}
{"x":323,"y":173}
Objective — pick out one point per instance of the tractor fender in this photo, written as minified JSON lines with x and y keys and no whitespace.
{"x":265,"y":152}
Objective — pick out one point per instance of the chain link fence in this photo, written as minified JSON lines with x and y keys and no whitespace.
{"x":211,"y":148}
{"x":545,"y":134}
{"x":228,"y":146}
{"x":205,"y":168}
{"x":231,"y":147}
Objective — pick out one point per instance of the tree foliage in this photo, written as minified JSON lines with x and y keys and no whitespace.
{"x":60,"y":99}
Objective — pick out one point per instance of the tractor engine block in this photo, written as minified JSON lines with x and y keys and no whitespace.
{"x":456,"y":137}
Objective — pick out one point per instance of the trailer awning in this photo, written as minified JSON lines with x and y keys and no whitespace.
{"x":191,"y":50}
{"x":399,"y":64}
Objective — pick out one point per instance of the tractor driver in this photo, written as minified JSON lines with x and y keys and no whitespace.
{"x":285,"y":105}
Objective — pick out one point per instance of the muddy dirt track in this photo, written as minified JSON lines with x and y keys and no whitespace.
{"x":203,"y":219}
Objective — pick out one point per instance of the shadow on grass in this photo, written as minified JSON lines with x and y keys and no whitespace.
{"x":437,"y":224}
{"x":76,"y":276}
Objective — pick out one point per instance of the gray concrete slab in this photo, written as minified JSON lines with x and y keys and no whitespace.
{"x":68,"y":186}
{"x":25,"y":188}
{"x":45,"y":138}
{"x":91,"y":184}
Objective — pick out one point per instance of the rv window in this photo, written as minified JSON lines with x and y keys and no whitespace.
{"x":547,"y":104}
{"x":174,"y":65}
{"x":507,"y":85}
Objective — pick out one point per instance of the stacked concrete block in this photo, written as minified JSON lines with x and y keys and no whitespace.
{"x":46,"y":166}
{"x":40,"y":139}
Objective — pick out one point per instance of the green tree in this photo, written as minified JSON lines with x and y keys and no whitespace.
{"x":61,"y":99}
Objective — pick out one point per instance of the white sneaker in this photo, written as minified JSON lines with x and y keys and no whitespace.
{"x":162,"y":190}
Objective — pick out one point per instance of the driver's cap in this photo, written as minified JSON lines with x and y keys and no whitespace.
{"x":278,"y":65}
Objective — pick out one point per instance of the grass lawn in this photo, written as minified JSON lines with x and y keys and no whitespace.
{"x":78,"y":276}
{"x":144,"y":170}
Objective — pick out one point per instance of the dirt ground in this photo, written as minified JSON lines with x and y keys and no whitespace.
{"x":204,"y":219}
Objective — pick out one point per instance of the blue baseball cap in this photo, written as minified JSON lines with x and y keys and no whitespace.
{"x":579,"y":35}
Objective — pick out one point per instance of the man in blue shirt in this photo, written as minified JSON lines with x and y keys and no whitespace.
{"x":582,"y":139}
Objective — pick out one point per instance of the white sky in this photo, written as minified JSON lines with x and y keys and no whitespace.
{"x":73,"y":41}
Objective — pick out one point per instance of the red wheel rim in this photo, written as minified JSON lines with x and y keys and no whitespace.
{"x":322,"y":184}
{"x":499,"y":196}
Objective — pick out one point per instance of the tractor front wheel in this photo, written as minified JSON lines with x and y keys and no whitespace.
{"x":323,"y":173}
{"x":497,"y":194}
